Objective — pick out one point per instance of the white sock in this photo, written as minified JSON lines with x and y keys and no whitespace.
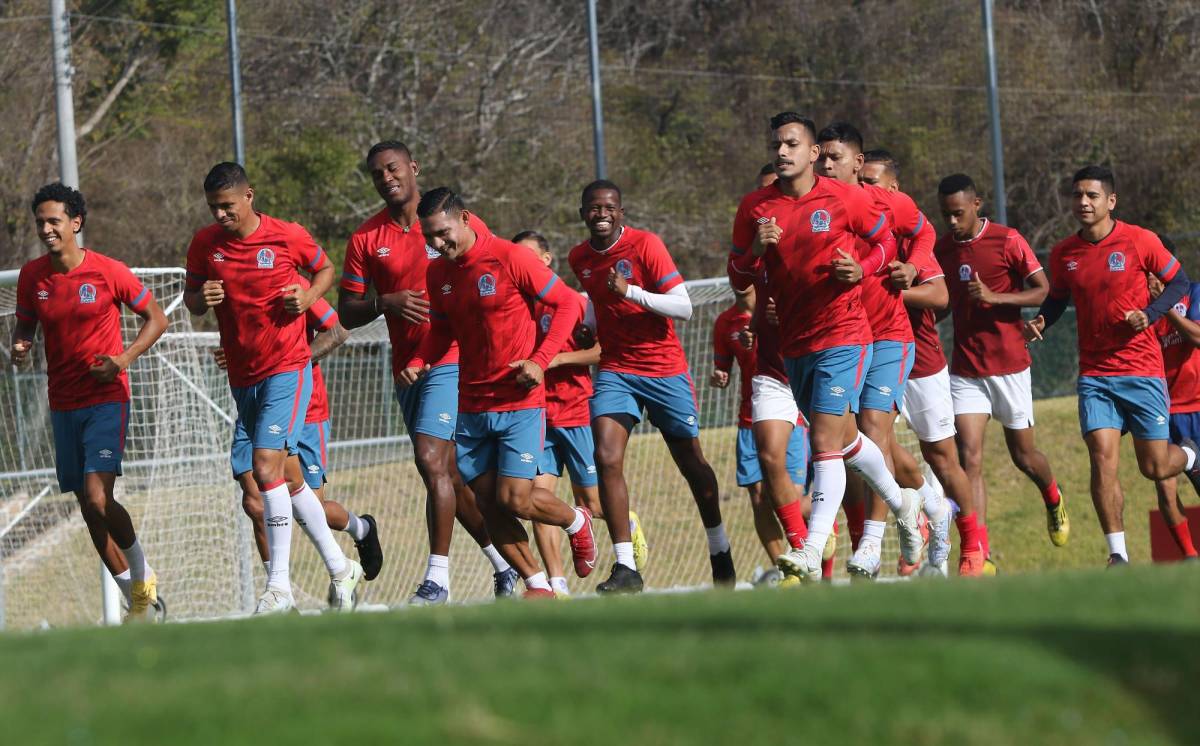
{"x":356,"y":527}
{"x":311,"y":516}
{"x":538,"y":581}
{"x":717,"y":540}
{"x":1191,"y":458}
{"x":1116,"y":544}
{"x":277,"y":515}
{"x":624,"y":552}
{"x":137,"y":561}
{"x":828,"y":489}
{"x":577,"y":523}
{"x":873,"y":531}
{"x":498,"y":563}
{"x":867,"y":461}
{"x":935,"y":506}
{"x":438,"y":570}
{"x":125,"y":583}
{"x":559,"y":586}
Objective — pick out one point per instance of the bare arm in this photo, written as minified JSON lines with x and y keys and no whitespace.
{"x":22,"y":340}
{"x":108,"y":367}
{"x":1189,"y":329}
{"x":356,"y":309}
{"x":329,"y":340}
{"x":199,"y":300}
{"x":930,"y":294}
{"x":1037,"y":286}
{"x":590,"y":356}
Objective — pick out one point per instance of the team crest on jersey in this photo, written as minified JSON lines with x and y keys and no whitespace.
{"x":487,"y":285}
{"x":625,"y":269}
{"x":218,"y":257}
{"x":383,"y":251}
{"x":964,"y":272}
{"x":544,"y":322}
{"x":1180,"y":308}
{"x":1072,"y":265}
{"x":1116,"y":262}
{"x":43,"y":295}
{"x":266,"y":259}
{"x":87,"y":293}
{"x":819,"y":221}
{"x":430,"y":252}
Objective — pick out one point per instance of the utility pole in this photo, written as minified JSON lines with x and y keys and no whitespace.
{"x":993,"y":87}
{"x":235,"y":82}
{"x":597,"y":108}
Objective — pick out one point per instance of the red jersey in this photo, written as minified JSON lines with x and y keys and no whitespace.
{"x":484,"y":300}
{"x":632,"y":339}
{"x":1106,"y":280}
{"x":568,"y":387}
{"x":931,"y":358}
{"x":382,"y":253}
{"x":914,"y":240}
{"x":727,"y":348}
{"x":1181,"y":361}
{"x":987,"y":339}
{"x":816,"y":311}
{"x":80,"y":314}
{"x":319,"y":317}
{"x":259,"y":336}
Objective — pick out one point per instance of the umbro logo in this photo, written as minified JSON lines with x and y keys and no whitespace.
{"x":586,"y":273}
{"x":763,"y":220}
{"x":105,"y":453}
{"x":527,"y":458}
{"x":43,"y":295}
{"x":277,"y":520}
{"x":591,"y":469}
{"x":837,"y":390}
{"x":444,"y":418}
{"x":218,"y":257}
{"x":1072,"y":265}
{"x":383,"y":251}
{"x":885,"y":390}
{"x":313,"y":468}
{"x":691,"y":419}
{"x":275,"y":429}
{"x":1161,"y":420}
{"x":446,"y":289}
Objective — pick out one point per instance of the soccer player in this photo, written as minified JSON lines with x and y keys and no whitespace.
{"x":1103,"y":268}
{"x":75,"y":294}
{"x":485,"y":291}
{"x":801,"y":230}
{"x":992,"y":274}
{"x":636,"y":293}
{"x":389,"y":252}
{"x":246,"y":267}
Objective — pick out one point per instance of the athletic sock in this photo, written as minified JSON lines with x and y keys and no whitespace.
{"x":873,"y":531}
{"x":499,"y":564}
{"x":267,"y":568}
{"x":577,"y":523}
{"x":934,"y":505}
{"x":311,"y":516}
{"x":791,"y":517}
{"x":865,"y":458}
{"x":717,"y":540}
{"x":968,"y":531}
{"x":356,"y":527}
{"x":1051,"y":495}
{"x":538,"y":580}
{"x":1116,"y":544}
{"x":856,"y":515}
{"x":828,"y":489}
{"x":137,"y":561}
{"x":559,"y":586}
{"x":1183,"y":538}
{"x":827,"y":568}
{"x":624,"y":552}
{"x":985,"y":543}
{"x":277,"y":515}
{"x":1191,"y":458}
{"x":438,"y":570}
{"x":125,"y":583}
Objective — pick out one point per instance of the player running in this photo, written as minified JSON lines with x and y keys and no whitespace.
{"x":992,"y":274}
{"x":1102,"y":268}
{"x":802,"y":230}
{"x":637,"y":293}
{"x":75,"y":294}
{"x":389,"y":252}
{"x":246,"y":268}
{"x":485,"y":291}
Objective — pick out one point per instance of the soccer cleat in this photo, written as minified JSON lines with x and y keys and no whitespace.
{"x":989,"y":569}
{"x":369,"y":551}
{"x":939,"y":543}
{"x":622,"y":580}
{"x":928,"y":569}
{"x":583,"y":546}
{"x":143,"y":596}
{"x":343,"y":591}
{"x":789,"y":581}
{"x":864,"y":565}
{"x":970,"y":564}
{"x":830,"y":549}
{"x":505,"y":583}
{"x":641,"y":548}
{"x":903,"y":569}
{"x":160,"y":608}
{"x":274,"y":601}
{"x":908,"y":525}
{"x":1115,"y":560}
{"x":803,"y":563}
{"x":723,"y":573}
{"x":769,"y":578}
{"x":537,"y":593}
{"x":1057,"y":523}
{"x":429,"y":593}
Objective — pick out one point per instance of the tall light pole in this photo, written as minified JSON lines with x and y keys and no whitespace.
{"x":597,"y":108}
{"x":235,"y":82}
{"x":993,"y":88}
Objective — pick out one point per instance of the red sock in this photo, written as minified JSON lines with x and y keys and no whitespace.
{"x":792,"y":519}
{"x":856,"y":516}
{"x":1183,"y":537}
{"x":984,"y":542}
{"x":968,"y":531}
{"x":827,"y":569}
{"x":1050,"y":495}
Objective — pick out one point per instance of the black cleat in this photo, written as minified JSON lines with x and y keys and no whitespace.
{"x":505,"y":583}
{"x":370,"y":554}
{"x":723,"y":573}
{"x":622,"y":580}
{"x":1115,"y":560}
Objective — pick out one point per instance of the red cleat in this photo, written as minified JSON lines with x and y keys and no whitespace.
{"x":536,"y":593}
{"x":583,"y":546}
{"x":970,"y":564}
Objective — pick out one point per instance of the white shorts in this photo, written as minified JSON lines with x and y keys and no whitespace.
{"x":1007,"y":398}
{"x":927,"y":407}
{"x":772,"y":400}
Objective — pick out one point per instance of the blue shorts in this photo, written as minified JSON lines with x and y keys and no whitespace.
{"x":271,"y":412}
{"x":670,"y":401}
{"x":574,"y":448}
{"x":507,"y":442}
{"x":750,"y":472}
{"x":88,"y":440}
{"x":430,"y":406}
{"x":830,"y":380}
{"x":1134,"y":403}
{"x":1185,"y":425}
{"x":883,"y":388}
{"x":313,"y":447}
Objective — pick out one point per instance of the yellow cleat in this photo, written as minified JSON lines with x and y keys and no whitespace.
{"x":989,"y":568}
{"x":830,"y":549}
{"x":1057,"y":523}
{"x":143,"y":599}
{"x":641,"y":548}
{"x":789,"y":581}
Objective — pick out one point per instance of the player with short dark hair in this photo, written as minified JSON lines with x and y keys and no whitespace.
{"x":75,"y":294}
{"x":1102,"y":268}
{"x":485,"y":290}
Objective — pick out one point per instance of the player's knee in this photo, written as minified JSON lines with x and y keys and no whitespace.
{"x":430,"y":458}
{"x":609,"y":459}
{"x":252,"y":506}
{"x":92,"y":503}
{"x":1155,"y":468}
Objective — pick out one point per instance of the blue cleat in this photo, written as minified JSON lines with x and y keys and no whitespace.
{"x":506,"y":583}
{"x":429,"y":593}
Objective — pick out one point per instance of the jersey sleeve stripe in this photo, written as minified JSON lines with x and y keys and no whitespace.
{"x":545,"y":290}
{"x":920,"y":225}
{"x":318,"y":261}
{"x":137,"y":302}
{"x":1169,"y":271}
{"x":878,"y":226}
{"x":664,"y":280}
{"x":326,"y":317}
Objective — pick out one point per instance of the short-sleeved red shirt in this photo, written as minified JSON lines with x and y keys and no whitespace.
{"x":568,"y":387}
{"x":931,"y":358}
{"x":80,"y":315}
{"x":1181,"y":359}
{"x":632,"y":339}
{"x":319,"y":317}
{"x":727,"y":348}
{"x":988,"y":340}
{"x":1106,"y":280}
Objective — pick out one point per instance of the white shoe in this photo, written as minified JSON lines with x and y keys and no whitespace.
{"x":865,"y":562}
{"x":939,"y":542}
{"x":930,"y":570}
{"x":343,"y":591}
{"x":909,"y":527}
{"x":274,"y":601}
{"x":803,"y":563}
